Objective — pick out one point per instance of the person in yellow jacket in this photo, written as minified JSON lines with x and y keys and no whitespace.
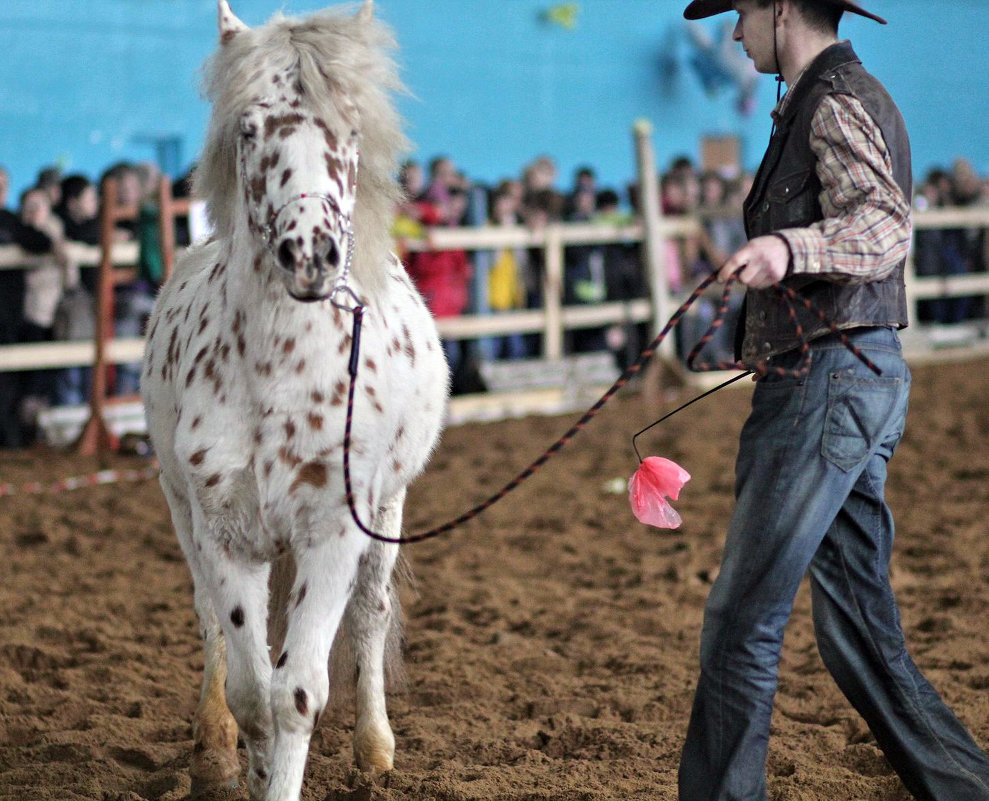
{"x":507,"y":277}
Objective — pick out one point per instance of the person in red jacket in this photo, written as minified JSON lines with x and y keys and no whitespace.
{"x":442,"y":276}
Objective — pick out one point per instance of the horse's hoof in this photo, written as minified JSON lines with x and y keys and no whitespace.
{"x":375,"y":761}
{"x":215,"y":791}
{"x":213,"y":777}
{"x":376,"y":764}
{"x":376,"y":768}
{"x":374,"y":748}
{"x":214,"y":764}
{"x":360,"y":782}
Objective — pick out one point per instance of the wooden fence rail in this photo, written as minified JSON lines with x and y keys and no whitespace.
{"x":551,"y":321}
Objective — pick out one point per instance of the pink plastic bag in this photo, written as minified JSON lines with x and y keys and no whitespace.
{"x":656,"y":480}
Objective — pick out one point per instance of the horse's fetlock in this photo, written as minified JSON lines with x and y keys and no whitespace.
{"x":374,"y":745}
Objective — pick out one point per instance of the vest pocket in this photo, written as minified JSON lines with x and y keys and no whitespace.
{"x":793,"y":200}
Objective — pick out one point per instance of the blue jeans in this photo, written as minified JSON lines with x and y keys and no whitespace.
{"x":809,"y":497}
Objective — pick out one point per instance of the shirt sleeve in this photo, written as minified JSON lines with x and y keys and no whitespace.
{"x":866,"y":230}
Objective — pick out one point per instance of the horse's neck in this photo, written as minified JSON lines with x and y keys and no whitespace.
{"x":245,"y":285}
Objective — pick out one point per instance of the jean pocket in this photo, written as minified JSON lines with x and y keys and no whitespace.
{"x":858,"y":417}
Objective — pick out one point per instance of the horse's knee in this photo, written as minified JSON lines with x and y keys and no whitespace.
{"x":249,"y":707}
{"x":297,"y":700}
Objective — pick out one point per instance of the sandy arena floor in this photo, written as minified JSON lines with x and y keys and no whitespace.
{"x":552,"y":644}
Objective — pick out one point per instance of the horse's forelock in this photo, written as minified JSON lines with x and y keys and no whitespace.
{"x":226,"y":87}
{"x":338,"y":55}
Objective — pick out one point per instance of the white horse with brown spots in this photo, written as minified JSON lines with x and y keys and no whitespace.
{"x":245,"y":384}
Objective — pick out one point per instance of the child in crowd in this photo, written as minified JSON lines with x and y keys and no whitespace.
{"x":407,"y":223}
{"x":443,"y":276}
{"x":79,"y":210}
{"x":134,"y":301}
{"x":49,"y":181}
{"x":44,"y":285}
{"x":507,"y":275}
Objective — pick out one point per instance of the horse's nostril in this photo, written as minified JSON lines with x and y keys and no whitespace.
{"x":332,"y":254}
{"x":286,"y":254}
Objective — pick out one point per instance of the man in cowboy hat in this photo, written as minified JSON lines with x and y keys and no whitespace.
{"x":829,"y":215}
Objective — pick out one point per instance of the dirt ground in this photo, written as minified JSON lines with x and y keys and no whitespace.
{"x":552,"y":644}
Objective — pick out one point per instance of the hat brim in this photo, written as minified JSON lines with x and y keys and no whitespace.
{"x":699,"y":9}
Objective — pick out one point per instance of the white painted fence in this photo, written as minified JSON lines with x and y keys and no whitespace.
{"x":552,"y":320}
{"x":44,"y":355}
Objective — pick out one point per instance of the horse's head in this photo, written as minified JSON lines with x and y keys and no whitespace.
{"x":293,"y":101}
{"x":297,"y":159}
{"x":299,"y":177}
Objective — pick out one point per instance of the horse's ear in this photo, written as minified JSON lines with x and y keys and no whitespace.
{"x":366,"y":12}
{"x":230,"y":26}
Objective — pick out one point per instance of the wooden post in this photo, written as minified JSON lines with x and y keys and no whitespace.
{"x":553,"y":293}
{"x":654,"y":250}
{"x":166,"y":227}
{"x":96,"y":438}
{"x":168,"y":209}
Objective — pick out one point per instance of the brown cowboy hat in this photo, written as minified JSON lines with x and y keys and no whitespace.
{"x":699,"y":9}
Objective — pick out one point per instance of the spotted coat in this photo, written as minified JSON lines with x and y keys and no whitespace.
{"x":245,"y":383}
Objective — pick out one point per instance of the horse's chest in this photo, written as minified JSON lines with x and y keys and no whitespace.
{"x":274,"y":440}
{"x":283,"y":478}
{"x":262,"y":404}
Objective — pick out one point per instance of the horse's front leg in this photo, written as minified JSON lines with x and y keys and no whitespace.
{"x":239,"y":590}
{"x":374,"y":628}
{"x":214,"y":732}
{"x":300,"y":683}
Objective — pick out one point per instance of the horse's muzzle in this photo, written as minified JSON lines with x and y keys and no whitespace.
{"x":309,"y":272}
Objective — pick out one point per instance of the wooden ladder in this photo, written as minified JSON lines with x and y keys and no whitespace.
{"x":96,"y":437}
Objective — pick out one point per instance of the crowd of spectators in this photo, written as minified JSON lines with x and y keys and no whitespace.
{"x":52,"y":300}
{"x":59,"y":209}
{"x":511,"y":278}
{"x":951,"y":251}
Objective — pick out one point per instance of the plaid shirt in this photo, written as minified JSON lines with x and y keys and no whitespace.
{"x":866,"y":230}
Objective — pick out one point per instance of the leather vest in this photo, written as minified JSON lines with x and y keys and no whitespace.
{"x":785,"y":194}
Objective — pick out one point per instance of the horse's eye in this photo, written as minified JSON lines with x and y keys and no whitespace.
{"x":248,"y":128}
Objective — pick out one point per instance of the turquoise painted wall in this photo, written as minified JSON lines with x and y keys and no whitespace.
{"x":88,"y":82}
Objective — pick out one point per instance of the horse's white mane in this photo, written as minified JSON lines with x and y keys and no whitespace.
{"x":342,"y":59}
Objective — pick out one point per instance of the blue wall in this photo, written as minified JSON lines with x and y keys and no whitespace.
{"x":495,"y":84}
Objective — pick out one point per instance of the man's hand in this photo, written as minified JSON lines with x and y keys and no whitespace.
{"x":764,"y":261}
